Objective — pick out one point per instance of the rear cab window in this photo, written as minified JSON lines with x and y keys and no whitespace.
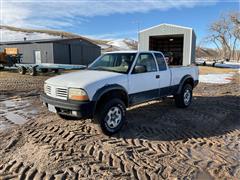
{"x":161,"y":62}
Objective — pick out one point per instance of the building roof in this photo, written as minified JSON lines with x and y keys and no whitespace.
{"x":47,"y":41}
{"x":170,"y":25}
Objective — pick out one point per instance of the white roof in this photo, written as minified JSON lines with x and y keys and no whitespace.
{"x":165,"y":24}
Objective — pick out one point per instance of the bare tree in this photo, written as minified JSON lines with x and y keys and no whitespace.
{"x":225,"y":35}
{"x":235,"y":18}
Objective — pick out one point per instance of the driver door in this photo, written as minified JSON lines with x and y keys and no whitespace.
{"x":144,"y":84}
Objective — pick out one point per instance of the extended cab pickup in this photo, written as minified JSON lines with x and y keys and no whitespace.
{"x":115,"y":81}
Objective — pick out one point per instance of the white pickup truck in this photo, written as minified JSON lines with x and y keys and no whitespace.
{"x":115,"y":81}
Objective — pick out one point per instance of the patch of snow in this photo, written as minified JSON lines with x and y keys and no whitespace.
{"x":199,"y":61}
{"x":232,"y":62}
{"x":8,"y":35}
{"x":2,"y":126}
{"x":15,"y":118}
{"x":216,"y":78}
{"x":233,"y":65}
{"x":120,"y":44}
{"x":9,"y":103}
{"x":104,"y":46}
{"x":130,"y":41}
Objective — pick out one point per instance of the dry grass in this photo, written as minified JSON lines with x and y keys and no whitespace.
{"x":215,"y":70}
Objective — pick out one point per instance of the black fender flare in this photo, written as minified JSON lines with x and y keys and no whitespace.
{"x":183,"y":80}
{"x":103,"y":90}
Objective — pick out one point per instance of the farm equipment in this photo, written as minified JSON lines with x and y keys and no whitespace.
{"x":12,"y":59}
{"x":33,"y":69}
{"x":9,"y":57}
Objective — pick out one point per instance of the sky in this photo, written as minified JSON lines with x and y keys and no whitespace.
{"x":113,"y":19}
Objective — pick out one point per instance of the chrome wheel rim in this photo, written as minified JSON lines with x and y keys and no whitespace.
{"x":114,"y":117}
{"x":187,"y":96}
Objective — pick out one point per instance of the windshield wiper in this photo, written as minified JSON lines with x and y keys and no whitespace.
{"x":105,"y":69}
{"x":97,"y":68}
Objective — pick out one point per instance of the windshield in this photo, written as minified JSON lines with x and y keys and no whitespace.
{"x":115,"y":62}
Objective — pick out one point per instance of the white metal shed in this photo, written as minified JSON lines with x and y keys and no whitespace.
{"x":178,"y":41}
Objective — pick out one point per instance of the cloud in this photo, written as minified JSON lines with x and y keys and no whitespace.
{"x":70,"y":13}
{"x":114,"y":35}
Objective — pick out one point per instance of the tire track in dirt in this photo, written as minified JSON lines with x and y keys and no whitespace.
{"x":90,"y":150}
{"x":159,"y":142}
{"x":133,"y":158}
{"x":43,"y":134}
{"x":137,"y":158}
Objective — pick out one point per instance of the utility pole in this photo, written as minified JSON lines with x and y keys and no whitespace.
{"x":138,"y":31}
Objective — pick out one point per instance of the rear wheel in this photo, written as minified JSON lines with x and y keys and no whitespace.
{"x":111,"y":116}
{"x":22,"y":70}
{"x":32,"y":71}
{"x":184,"y":99}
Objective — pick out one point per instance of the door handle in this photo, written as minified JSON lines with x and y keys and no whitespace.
{"x":157,"y":76}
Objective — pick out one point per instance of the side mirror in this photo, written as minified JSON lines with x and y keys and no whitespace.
{"x":140,"y":69}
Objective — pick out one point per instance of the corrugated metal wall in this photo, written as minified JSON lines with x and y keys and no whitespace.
{"x":61,"y":53}
{"x":28,"y":52}
{"x":89,"y":52}
{"x":76,"y":52}
{"x":188,"y":42}
{"x":64,"y":52}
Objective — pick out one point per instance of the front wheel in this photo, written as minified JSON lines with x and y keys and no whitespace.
{"x":112,"y":116}
{"x":184,"y":99}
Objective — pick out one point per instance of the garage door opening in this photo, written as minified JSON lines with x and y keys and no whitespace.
{"x":170,"y":46}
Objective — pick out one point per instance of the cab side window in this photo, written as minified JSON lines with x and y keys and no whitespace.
{"x":146,"y":61}
{"x":161,"y":62}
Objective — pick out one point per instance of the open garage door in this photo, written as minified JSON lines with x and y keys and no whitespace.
{"x":170,"y":46}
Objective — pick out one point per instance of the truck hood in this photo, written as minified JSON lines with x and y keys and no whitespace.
{"x":85,"y":78}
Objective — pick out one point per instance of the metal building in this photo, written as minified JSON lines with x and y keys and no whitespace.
{"x":178,"y":41}
{"x":56,"y":51}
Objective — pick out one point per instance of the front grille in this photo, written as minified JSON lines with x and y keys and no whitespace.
{"x":49,"y":89}
{"x":56,"y":92}
{"x":61,"y":92}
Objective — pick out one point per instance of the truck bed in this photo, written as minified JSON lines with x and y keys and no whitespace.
{"x":178,"y":72}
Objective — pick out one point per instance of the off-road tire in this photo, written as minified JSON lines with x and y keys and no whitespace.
{"x":22,"y":70}
{"x":103,"y":111}
{"x":179,"y":99}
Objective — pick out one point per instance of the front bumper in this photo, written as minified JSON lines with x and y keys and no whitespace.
{"x":78,"y":109}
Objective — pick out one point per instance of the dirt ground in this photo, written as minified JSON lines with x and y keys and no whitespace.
{"x":159,"y":141}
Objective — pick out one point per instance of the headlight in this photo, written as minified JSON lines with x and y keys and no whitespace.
{"x":77,"y":94}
